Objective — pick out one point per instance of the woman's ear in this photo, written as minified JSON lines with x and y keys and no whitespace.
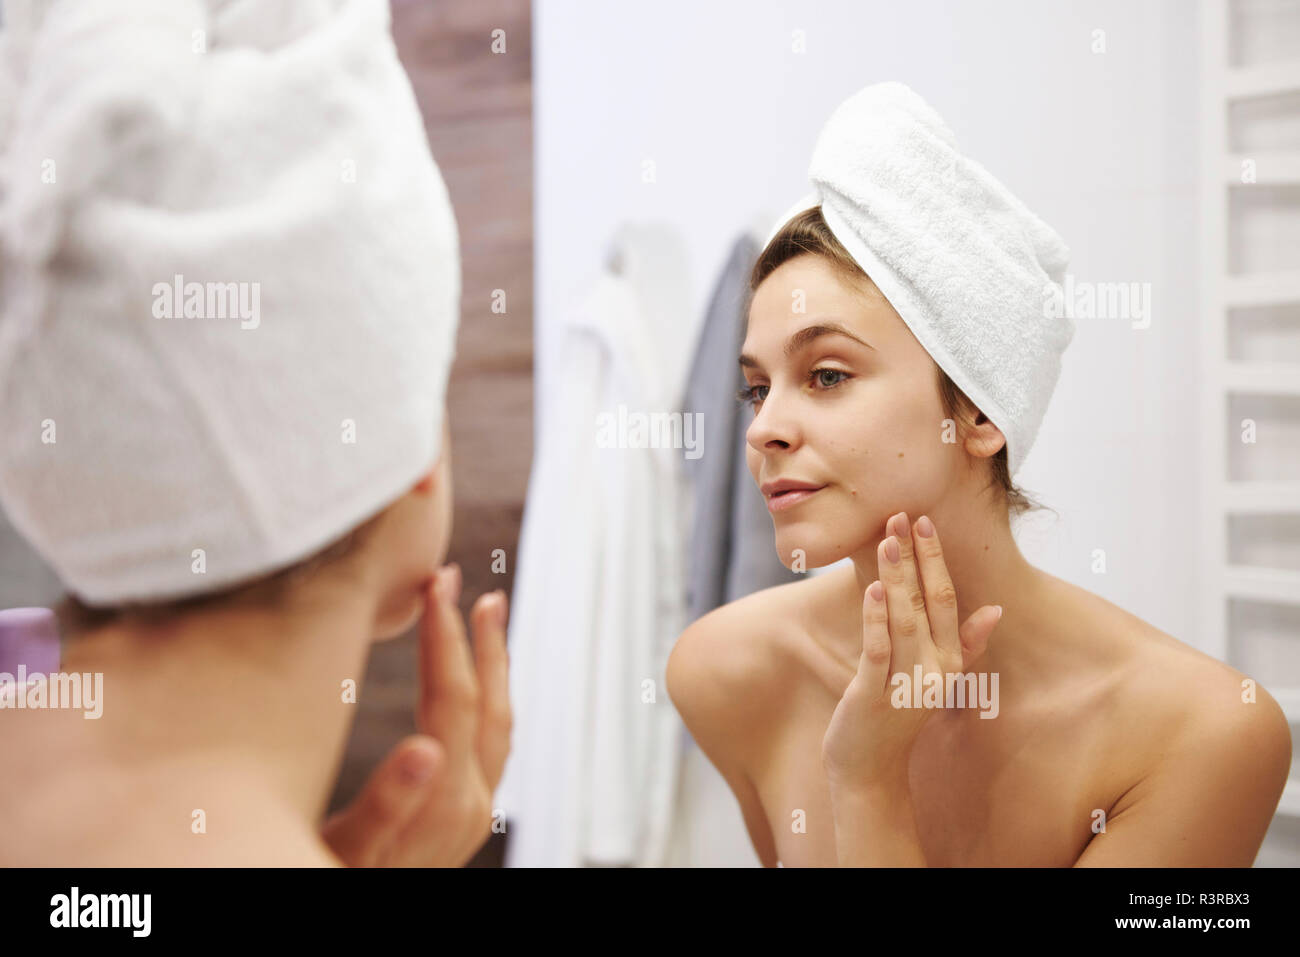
{"x":441,"y":469}
{"x":983,"y":439}
{"x":426,"y":481}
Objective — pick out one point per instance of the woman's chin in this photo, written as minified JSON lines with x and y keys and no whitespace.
{"x":397,"y":623}
{"x":802,"y":552}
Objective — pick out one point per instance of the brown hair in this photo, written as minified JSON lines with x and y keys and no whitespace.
{"x":76,"y":617}
{"x":807,"y":234}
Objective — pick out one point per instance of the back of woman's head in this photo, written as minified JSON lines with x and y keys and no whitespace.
{"x":231,"y":289}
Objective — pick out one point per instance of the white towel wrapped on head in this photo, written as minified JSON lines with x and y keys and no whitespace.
{"x":963,"y":261}
{"x":268,"y":162}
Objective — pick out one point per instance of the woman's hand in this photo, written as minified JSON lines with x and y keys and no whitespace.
{"x":911,"y":620}
{"x":429,"y":804}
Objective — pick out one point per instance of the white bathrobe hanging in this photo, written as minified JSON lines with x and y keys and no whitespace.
{"x":598,"y":599}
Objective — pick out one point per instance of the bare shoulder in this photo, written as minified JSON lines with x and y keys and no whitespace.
{"x":1166,"y":699}
{"x":75,"y":807}
{"x":1214,"y":705}
{"x":1190,"y":743}
{"x":726,"y":665}
{"x":1164,"y":671}
{"x":749,"y":646}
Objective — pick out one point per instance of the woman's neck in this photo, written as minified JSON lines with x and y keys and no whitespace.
{"x":986,"y":568}
{"x":262,"y":689}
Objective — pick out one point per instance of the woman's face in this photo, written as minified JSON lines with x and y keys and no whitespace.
{"x":414,"y":543}
{"x":862,"y":420}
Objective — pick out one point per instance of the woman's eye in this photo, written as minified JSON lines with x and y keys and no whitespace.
{"x":821,"y":374}
{"x":825,"y":379}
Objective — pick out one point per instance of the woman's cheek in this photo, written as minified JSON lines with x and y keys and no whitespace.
{"x":917,"y":430}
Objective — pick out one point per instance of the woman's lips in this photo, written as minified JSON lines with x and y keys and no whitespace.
{"x":778,"y":503}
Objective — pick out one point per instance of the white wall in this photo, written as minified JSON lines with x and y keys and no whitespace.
{"x":1103,"y":146}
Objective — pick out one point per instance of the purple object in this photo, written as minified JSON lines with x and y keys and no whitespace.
{"x":29,"y":636}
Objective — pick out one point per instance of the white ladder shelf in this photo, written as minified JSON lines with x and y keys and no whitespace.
{"x":1224,"y":86}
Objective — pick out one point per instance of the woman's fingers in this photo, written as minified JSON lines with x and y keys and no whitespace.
{"x":940,"y":595}
{"x":975,"y":633}
{"x":429,"y":802}
{"x":877,"y":647}
{"x":488,"y":621}
{"x":363,"y":833}
{"x":906,"y":604}
{"x":449,"y":693}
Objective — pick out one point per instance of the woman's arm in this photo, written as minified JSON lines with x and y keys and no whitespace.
{"x":712,"y":686}
{"x":876,"y":827}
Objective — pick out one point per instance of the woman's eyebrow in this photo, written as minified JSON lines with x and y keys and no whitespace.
{"x":804,"y":336}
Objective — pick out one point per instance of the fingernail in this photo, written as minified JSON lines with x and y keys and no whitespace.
{"x":924,"y":527}
{"x":999,"y":608}
{"x":876,"y":590}
{"x":417,"y":768}
{"x":448,"y":584}
{"x":891,"y":548}
{"x":493,"y":604}
{"x":903,"y":527}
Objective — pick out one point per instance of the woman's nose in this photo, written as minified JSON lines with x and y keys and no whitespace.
{"x":773,"y":426}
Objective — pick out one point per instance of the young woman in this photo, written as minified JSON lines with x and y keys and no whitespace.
{"x":225,"y":717}
{"x":1113,"y":744}
{"x":238,"y":504}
